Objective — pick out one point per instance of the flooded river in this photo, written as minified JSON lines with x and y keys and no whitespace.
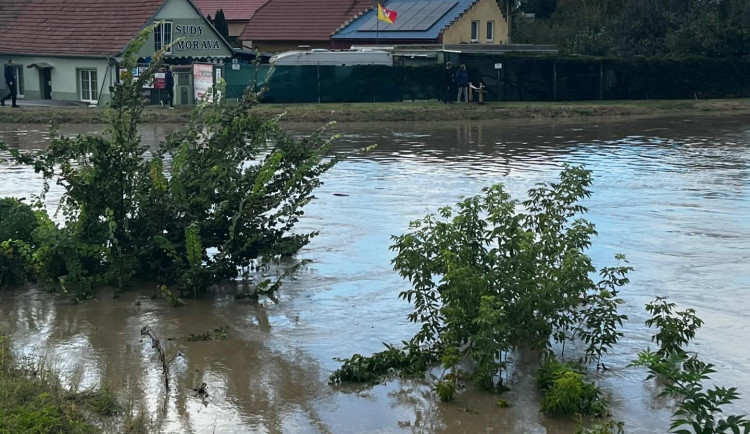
{"x":672,"y":194}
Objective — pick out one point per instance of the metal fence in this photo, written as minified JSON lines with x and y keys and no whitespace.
{"x":503,"y":78}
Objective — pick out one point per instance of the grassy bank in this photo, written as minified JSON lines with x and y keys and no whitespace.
{"x":405,"y":111}
{"x":32,"y":400}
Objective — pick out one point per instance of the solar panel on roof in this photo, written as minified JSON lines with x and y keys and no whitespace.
{"x":412,"y":16}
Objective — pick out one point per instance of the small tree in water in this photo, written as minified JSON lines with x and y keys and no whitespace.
{"x":487,"y":279}
{"x":230,"y":200}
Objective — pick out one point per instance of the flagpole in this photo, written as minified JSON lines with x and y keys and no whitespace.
{"x":377,"y":26}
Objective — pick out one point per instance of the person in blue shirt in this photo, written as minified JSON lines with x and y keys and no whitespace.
{"x":10,"y":82}
{"x":462,"y":81}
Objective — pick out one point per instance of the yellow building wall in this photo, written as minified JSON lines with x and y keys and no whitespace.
{"x":484,"y":10}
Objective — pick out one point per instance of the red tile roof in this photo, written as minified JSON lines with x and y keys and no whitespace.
{"x":72,"y":27}
{"x":235,"y":10}
{"x":301,"y":20}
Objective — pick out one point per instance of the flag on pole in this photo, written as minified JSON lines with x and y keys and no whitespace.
{"x":386,"y":15}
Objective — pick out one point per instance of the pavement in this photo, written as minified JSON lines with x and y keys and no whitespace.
{"x":23,"y":102}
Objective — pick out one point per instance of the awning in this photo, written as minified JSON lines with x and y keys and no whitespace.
{"x":41,"y":65}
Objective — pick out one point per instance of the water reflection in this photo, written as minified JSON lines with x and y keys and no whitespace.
{"x":670,"y":193}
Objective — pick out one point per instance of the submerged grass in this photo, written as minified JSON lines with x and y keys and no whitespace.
{"x":400,"y":111}
{"x":32,"y":400}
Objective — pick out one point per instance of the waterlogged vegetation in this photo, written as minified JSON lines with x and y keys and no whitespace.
{"x":495,"y":277}
{"x":217,"y":200}
{"x":32,"y":400}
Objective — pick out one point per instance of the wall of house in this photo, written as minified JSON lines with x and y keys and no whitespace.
{"x":484,"y":10}
{"x":236,"y":28}
{"x":66,"y":83}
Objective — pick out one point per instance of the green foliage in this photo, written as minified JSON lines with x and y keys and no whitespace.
{"x":217,"y":334}
{"x":229,"y":202}
{"x":411,"y":361}
{"x":699,"y":410}
{"x":626,"y":28}
{"x":675,"y":329}
{"x":220,"y":23}
{"x":600,"y":318}
{"x":608,"y":427}
{"x":37,"y":404}
{"x":17,"y":220}
{"x":487,"y":278}
{"x":566,"y":392}
{"x":446,"y":390}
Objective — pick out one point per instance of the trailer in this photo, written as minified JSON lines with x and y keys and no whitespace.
{"x":323,"y":57}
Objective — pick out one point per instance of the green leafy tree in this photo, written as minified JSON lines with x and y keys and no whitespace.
{"x":487,"y":279}
{"x":221,"y":195}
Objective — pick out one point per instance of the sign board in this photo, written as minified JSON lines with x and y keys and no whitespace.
{"x":235,"y":67}
{"x":203,"y":80}
{"x":160,"y":80}
{"x":498,"y":66}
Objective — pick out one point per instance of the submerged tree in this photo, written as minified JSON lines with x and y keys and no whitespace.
{"x":487,"y":279}
{"x":221,"y":195}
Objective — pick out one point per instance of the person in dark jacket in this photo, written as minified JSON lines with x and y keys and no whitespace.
{"x":462,"y":81}
{"x":170,"y":87}
{"x":450,"y":83}
{"x":10,"y":81}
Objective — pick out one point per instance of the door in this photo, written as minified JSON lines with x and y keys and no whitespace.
{"x":45,"y":83}
{"x":184,"y":91}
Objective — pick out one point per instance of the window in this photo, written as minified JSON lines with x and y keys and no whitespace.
{"x":490,"y":31}
{"x":19,"y":80}
{"x":163,"y":36}
{"x":474,"y":31}
{"x":87,"y":83}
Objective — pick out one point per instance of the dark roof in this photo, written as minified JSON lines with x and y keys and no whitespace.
{"x":422,"y":19}
{"x":235,"y":10}
{"x":301,"y":20}
{"x":72,"y":27}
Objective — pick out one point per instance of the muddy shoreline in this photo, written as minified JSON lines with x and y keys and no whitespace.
{"x":404,"y":111}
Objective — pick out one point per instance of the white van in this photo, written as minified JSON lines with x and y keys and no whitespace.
{"x":323,"y":57}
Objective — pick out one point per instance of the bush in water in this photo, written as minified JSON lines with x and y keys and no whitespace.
{"x":487,"y":279}
{"x":235,"y":191}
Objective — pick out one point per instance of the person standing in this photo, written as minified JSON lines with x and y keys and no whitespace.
{"x":10,"y":81}
{"x":450,"y":82}
{"x":462,"y":80}
{"x":169,"y":78}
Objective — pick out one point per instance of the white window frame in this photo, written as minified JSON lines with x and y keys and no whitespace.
{"x":162,"y":38}
{"x":92,"y":90}
{"x":490,"y":31}
{"x":475,"y":31}
{"x":20,"y":81}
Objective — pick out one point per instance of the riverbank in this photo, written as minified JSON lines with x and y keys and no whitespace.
{"x":395,"y":112}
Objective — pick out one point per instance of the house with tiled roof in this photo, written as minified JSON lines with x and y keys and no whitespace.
{"x":282,"y":25}
{"x":236,"y":12}
{"x":445,"y":22}
{"x":71,"y":49}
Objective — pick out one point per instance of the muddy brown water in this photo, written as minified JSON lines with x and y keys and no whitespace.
{"x":673,"y":194}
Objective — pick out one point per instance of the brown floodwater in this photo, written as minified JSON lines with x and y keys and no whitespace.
{"x":672,"y":194}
